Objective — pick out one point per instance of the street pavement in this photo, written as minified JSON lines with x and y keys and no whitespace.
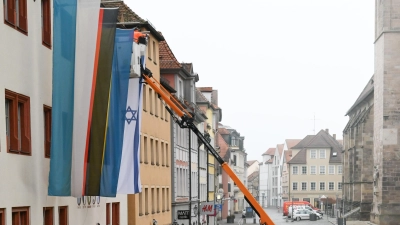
{"x":279,"y":219}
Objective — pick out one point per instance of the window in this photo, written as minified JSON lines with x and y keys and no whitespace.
{"x":304,"y":170}
{"x":163,"y":199}
{"x":47,"y":130}
{"x":140,"y":204}
{"x":331,"y":186}
{"x":153,"y":201}
{"x":321,"y":186}
{"x":331,"y":169}
{"x":294,"y":186}
{"x":47,"y":215}
{"x":166,"y":155}
{"x":158,"y":200}
{"x":18,"y":123}
{"x":161,"y":110}
{"x":312,"y":184}
{"x":162,"y":154}
{"x":63,"y":215}
{"x":304,"y":186}
{"x":145,"y":150}
{"x":157,"y":154}
{"x":313,"y":154}
{"x":321,"y":169}
{"x":15,"y":14}
{"x":141,"y":149}
{"x":151,"y":100}
{"x":168,"y":199}
{"x":46,"y":23}
{"x":20,"y":215}
{"x":144,"y":98}
{"x":155,"y":104}
{"x":313,"y":170}
{"x":339,"y":184}
{"x":322,"y":154}
{"x":115,"y":213}
{"x":339,"y":169}
{"x":154,"y":53}
{"x":148,"y":48}
{"x":146,"y":201}
{"x":108,"y":213}
{"x":295,"y":170}
{"x":152,"y":156}
{"x":2,"y":216}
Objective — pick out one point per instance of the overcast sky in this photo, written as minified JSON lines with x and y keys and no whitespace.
{"x":275,"y":64}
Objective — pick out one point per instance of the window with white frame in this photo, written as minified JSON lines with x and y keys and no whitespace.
{"x":339,"y":169}
{"x":294,"y":186}
{"x":331,"y":186}
{"x":321,"y":186}
{"x":313,"y":153}
{"x":313,"y":169}
{"x":322,"y":153}
{"x":321,"y":169}
{"x":304,"y":170}
{"x":331,"y":169}
{"x":339,"y":185}
{"x":295,"y":170}
{"x":312,"y":186}
{"x":304,"y":186}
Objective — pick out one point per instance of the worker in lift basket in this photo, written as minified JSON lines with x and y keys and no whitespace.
{"x":138,"y":34}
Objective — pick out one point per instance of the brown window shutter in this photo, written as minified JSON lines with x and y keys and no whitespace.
{"x":11,"y":11}
{"x":46,"y":23}
{"x":22,"y":16}
{"x":13,"y":145}
{"x":25,"y":127}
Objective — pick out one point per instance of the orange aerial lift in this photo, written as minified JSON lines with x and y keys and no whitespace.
{"x":185,"y":120}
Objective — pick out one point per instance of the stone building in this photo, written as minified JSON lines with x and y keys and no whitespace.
{"x":358,"y":156}
{"x":372,"y":155}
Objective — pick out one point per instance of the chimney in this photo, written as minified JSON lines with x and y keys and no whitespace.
{"x":334,"y":136}
{"x":327,"y":131}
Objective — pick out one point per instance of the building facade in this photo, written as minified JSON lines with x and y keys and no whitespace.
{"x":266,"y":177}
{"x":276,"y":194}
{"x":315,"y":170}
{"x":27,"y":96}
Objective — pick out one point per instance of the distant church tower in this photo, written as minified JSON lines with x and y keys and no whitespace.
{"x":386,"y":198}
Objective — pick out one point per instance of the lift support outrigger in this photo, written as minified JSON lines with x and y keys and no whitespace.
{"x":185,"y":120}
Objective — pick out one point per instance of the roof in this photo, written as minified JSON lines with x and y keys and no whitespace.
{"x":167,"y":57}
{"x":250,"y":162}
{"x":200,"y":98}
{"x":223,"y":147}
{"x":205,"y":89}
{"x":288,"y":155}
{"x":368,"y":89}
{"x":280,"y":148}
{"x":222,"y":130}
{"x":270,"y":151}
{"x":129,"y":19}
{"x":303,"y":142}
{"x":269,"y":161}
{"x":291,"y":142}
{"x":321,"y":140}
{"x":253,"y":176}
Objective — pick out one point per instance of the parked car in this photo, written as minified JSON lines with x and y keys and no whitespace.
{"x":304,"y":214}
{"x":316,"y":210}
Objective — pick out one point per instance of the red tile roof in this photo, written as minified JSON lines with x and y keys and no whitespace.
{"x":223,"y":146}
{"x":288,"y":155}
{"x":280,"y":149}
{"x":292,"y":142}
{"x":206,"y":89}
{"x":270,"y":151}
{"x":250,"y":162}
{"x":223,"y":131}
{"x":167,"y":57}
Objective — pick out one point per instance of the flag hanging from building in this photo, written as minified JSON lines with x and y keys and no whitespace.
{"x":82,"y":68}
{"x":129,"y":176}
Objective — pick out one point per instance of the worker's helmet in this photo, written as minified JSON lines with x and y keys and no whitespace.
{"x":136,"y":28}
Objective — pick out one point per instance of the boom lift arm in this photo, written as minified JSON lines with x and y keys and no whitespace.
{"x":185,"y":120}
